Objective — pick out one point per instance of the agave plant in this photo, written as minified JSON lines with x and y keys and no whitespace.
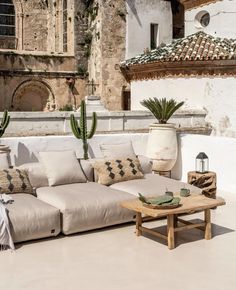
{"x":162,"y":109}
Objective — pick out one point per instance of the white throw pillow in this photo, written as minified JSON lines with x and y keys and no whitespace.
{"x":36,"y":173}
{"x":122,"y":150}
{"x":61,"y":167}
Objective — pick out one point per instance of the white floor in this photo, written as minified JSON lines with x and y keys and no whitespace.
{"x":115,"y":259}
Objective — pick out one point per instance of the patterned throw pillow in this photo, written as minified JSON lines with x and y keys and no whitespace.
{"x":14,"y":181}
{"x":117,"y":170}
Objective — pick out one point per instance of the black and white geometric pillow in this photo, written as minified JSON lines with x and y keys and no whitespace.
{"x":14,"y":181}
{"x":117,"y":170}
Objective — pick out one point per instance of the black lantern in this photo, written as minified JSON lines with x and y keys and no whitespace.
{"x":202,"y":163}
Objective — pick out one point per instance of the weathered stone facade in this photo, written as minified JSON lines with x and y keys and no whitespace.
{"x":107,"y":25}
{"x":41,"y":72}
{"x":57,"y":47}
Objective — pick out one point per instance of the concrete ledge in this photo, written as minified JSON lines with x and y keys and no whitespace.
{"x":58,"y":123}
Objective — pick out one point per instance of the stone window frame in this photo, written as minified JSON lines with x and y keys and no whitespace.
{"x":65,"y":24}
{"x":60,"y":47}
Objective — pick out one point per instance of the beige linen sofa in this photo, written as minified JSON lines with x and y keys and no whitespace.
{"x":79,"y":207}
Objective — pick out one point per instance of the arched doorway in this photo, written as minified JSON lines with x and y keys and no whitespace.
{"x":33,"y":96}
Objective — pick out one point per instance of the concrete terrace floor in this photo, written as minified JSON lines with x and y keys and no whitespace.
{"x":115,"y":259}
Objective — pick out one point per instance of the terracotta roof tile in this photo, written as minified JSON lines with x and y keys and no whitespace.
{"x":199,"y":46}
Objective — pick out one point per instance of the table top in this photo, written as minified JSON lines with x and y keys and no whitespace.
{"x":188,"y":204}
{"x":199,"y":173}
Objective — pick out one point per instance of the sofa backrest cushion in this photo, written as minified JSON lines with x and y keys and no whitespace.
{"x":117,"y":170}
{"x":14,"y":181}
{"x":146,"y":164}
{"x":87,"y":168}
{"x":61,"y":167}
{"x":121,"y":150}
{"x":36,"y":174}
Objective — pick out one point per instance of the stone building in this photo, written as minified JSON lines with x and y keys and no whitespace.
{"x":199,"y":69}
{"x":39,"y":55}
{"x":50,"y":49}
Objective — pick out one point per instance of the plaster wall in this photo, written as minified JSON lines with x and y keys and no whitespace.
{"x":221,"y":153}
{"x":216,"y":95}
{"x":44,"y":123}
{"x":140,"y":14}
{"x":222,"y":19}
{"x":219,"y":150}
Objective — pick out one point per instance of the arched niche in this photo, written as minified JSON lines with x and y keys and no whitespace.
{"x":33,"y":95}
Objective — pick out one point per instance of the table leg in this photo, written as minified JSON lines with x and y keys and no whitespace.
{"x":208,"y":224}
{"x":138,"y":223}
{"x":170,"y":231}
{"x":175,"y":221}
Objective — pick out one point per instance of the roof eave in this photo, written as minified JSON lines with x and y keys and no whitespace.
{"x":157,"y":70}
{"x":191,"y":4}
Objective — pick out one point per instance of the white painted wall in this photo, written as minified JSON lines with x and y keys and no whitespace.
{"x":216,"y":95}
{"x":140,"y":14}
{"x":220,"y":150}
{"x":222,"y":158}
{"x":25,"y":149}
{"x":222,"y":22}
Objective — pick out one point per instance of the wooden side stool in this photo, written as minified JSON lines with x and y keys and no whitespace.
{"x":205,"y":181}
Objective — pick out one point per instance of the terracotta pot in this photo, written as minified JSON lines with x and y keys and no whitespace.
{"x":162,"y":146}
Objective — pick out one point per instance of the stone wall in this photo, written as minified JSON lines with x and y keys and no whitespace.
{"x":108,"y":28}
{"x":38,"y":75}
{"x":39,"y":82}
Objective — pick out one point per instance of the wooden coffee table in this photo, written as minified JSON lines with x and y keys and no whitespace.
{"x":189,"y":205}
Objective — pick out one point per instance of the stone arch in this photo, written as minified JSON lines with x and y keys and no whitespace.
{"x":33,"y":95}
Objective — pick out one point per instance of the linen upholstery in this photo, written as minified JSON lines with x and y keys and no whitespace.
{"x":14,"y":181}
{"x":113,"y":171}
{"x":113,"y":151}
{"x":146,"y":164}
{"x":61,"y":167}
{"x":30,"y":218}
{"x":153,"y":185}
{"x":86,"y":206}
{"x":87,"y":168}
{"x":36,"y":174}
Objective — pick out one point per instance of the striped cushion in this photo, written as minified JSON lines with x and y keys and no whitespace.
{"x":14,"y":181}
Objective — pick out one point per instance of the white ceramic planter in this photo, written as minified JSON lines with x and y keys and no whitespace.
{"x":162,"y":146}
{"x":4,"y":157}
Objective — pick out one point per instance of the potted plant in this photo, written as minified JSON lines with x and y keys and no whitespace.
{"x":4,"y":150}
{"x":162,"y":141}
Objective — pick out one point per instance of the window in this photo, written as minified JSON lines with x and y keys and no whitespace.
{"x":65,"y":16}
{"x":202,"y":19}
{"x":205,"y":20}
{"x":153,"y":36}
{"x":7,"y":18}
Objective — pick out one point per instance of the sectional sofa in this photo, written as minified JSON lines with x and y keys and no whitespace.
{"x":78,"y":207}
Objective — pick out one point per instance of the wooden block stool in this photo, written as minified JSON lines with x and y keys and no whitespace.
{"x":205,"y":181}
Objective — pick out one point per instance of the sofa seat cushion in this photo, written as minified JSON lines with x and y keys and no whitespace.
{"x":86,"y":206}
{"x":152,"y":185}
{"x":30,"y":218}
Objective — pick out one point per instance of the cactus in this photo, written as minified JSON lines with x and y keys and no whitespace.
{"x":80,"y":131}
{"x":4,"y":123}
